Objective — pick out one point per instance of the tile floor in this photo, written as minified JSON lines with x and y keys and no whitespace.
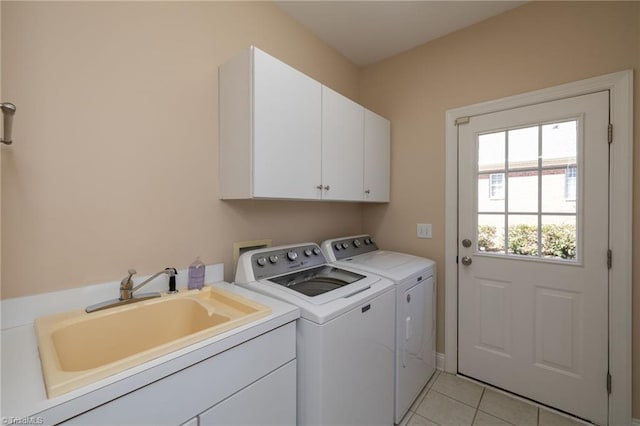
{"x":449,"y":400}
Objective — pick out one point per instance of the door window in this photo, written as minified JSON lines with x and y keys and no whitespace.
{"x":528,"y":190}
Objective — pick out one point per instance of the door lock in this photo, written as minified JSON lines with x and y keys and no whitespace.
{"x":466,"y":242}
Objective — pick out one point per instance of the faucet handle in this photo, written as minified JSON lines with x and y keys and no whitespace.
{"x":172,"y":272}
{"x":126,"y":281}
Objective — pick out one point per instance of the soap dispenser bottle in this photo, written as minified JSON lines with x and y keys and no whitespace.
{"x":196,"y":275}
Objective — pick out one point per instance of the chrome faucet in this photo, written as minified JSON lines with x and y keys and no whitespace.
{"x":127,"y":290}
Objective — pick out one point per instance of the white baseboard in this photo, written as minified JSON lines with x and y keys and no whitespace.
{"x":440,"y":364}
{"x":635,"y":422}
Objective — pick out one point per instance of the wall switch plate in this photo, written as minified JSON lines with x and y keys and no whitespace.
{"x":424,"y":230}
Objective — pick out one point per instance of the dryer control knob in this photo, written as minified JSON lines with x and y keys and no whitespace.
{"x":337,"y":246}
{"x":292,"y":255}
{"x":273,"y":258}
{"x":367,"y":241}
{"x":345,"y":245}
{"x":307,"y":252}
{"x":356,"y":243}
{"x":261,"y":261}
{"x":316,"y":251}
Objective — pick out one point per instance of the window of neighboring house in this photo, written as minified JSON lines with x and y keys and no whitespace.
{"x":496,"y":186}
{"x":570,"y":183}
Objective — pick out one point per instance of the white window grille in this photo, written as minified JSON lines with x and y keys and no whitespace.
{"x":570,"y":183}
{"x":496,"y":186}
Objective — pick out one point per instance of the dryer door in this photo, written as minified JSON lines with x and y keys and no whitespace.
{"x":415,"y":355}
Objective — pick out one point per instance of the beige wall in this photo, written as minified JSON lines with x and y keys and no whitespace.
{"x":115,"y":160}
{"x":1,"y":127}
{"x":535,"y":46}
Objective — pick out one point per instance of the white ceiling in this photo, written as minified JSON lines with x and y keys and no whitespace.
{"x":369,"y":31}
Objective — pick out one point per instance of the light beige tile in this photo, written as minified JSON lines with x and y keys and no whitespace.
{"x":445,"y":411}
{"x":484,"y":419}
{"x":506,"y":408}
{"x":459,"y":389}
{"x":548,"y":418}
{"x":424,"y":391}
{"x":405,"y":419}
{"x":418,"y":420}
{"x":434,"y":377}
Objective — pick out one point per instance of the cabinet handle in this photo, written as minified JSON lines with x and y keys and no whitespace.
{"x":319,"y":186}
{"x":327,"y":187}
{"x":368,"y":191}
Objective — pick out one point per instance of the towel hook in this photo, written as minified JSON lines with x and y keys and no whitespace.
{"x":8,"y":111}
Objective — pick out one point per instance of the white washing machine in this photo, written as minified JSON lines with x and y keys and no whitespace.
{"x":415,"y":319}
{"x":345,"y":336}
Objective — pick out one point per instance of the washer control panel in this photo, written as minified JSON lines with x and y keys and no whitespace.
{"x":269,"y":263}
{"x":353,"y":246}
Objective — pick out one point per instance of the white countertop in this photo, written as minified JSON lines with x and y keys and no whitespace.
{"x":23,"y":392}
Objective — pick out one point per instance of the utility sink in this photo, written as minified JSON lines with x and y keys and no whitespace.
{"x":77,"y":348}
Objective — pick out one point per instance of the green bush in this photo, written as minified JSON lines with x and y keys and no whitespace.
{"x":559,"y":241}
{"x":486,"y":237}
{"x":489,"y":239}
{"x":523,"y":239}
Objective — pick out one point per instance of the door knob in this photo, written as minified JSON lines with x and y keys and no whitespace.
{"x":466,"y":261}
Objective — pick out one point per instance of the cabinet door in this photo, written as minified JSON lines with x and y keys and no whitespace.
{"x":377,"y":157}
{"x":286,"y":131}
{"x":269,"y":401}
{"x":342,"y":147}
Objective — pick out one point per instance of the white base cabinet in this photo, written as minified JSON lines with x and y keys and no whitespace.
{"x":223,"y":389}
{"x":269,"y":401}
{"x":283,"y":135}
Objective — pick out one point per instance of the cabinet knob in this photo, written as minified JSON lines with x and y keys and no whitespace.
{"x":319,"y":186}
{"x":327,"y":187}
{"x":368,"y":191}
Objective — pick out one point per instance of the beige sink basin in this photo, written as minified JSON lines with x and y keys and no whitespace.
{"x":77,"y":348}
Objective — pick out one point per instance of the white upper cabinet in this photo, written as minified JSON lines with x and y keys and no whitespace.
{"x":342,"y":147}
{"x":286,"y":130}
{"x":270,"y":129}
{"x":283,"y":135}
{"x":377,"y":157}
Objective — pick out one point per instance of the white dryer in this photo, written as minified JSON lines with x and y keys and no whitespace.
{"x":345,"y":335}
{"x":415,"y":319}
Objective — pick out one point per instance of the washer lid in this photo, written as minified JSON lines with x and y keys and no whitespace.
{"x":319,"y":280}
{"x":327,"y":306}
{"x":394,"y":265}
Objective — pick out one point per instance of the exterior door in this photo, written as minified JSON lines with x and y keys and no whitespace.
{"x":533,"y":244}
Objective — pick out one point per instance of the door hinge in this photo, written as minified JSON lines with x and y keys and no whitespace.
{"x":608,"y":382}
{"x":462,"y":120}
{"x":610,"y":133}
{"x":609,"y":259}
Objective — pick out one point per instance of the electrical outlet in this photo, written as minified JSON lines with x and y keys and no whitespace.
{"x":424,"y":230}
